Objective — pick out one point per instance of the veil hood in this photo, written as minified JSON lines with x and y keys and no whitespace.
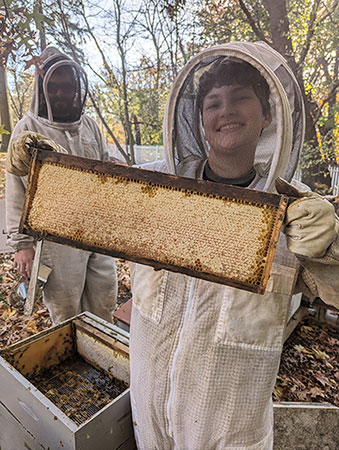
{"x":279,"y":146}
{"x":51,"y":60}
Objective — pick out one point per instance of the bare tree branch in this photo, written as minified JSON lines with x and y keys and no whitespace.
{"x":109,"y":131}
{"x":76,"y":58}
{"x":252,"y":23}
{"x":104,"y":60}
{"x":310,"y":33}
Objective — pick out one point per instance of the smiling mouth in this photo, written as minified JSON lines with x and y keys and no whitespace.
{"x":231,"y":126}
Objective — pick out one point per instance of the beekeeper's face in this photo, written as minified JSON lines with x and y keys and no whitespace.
{"x":233,"y":120}
{"x":61,"y":91}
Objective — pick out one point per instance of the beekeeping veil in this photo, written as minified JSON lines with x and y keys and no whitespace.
{"x":53,"y":61}
{"x":279,"y":146}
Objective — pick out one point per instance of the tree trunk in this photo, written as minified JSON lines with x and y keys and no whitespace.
{"x":42,"y":31}
{"x":280,"y":30}
{"x":137,"y":130}
{"x":5,"y":118}
{"x":279,"y":25}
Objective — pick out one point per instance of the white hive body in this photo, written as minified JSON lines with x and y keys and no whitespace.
{"x":67,"y":387}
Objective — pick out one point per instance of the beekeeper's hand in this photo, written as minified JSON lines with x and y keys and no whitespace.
{"x":23,"y":261}
{"x":19,"y":157}
{"x":311,"y":224}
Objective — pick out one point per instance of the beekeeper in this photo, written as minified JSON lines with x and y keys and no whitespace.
{"x":80,"y":280}
{"x":204,"y":356}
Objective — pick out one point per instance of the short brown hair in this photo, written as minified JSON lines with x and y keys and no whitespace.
{"x":226,"y":71}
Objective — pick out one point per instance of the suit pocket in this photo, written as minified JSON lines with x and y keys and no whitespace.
{"x":257,"y":321}
{"x":91,"y":149}
{"x":148,"y":287}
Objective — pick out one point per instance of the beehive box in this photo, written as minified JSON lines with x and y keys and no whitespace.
{"x":208,"y":230}
{"x":67,"y":388}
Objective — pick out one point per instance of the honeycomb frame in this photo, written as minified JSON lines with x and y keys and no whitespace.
{"x":211,"y":231}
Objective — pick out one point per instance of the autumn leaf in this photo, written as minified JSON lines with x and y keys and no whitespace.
{"x":40,"y":312}
{"x":316,"y":392}
{"x":329,"y":365}
{"x":8,"y":313}
{"x":36,"y":61}
{"x":299,"y":348}
{"x":277,"y":392}
{"x":3,"y":130}
{"x":283,"y":381}
{"x":31,"y":327}
{"x":301,"y":395}
{"x":322,"y":379}
{"x":320,"y":354}
{"x":302,"y":349}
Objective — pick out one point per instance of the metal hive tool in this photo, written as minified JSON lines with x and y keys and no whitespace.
{"x":208,"y":230}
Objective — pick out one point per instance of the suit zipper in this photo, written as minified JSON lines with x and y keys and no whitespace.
{"x":176,"y":354}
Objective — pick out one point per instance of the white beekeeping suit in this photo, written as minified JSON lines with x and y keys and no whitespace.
{"x":204,"y":356}
{"x":80,"y":280}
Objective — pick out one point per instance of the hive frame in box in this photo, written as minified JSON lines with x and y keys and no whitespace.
{"x":214,"y":244}
{"x":32,"y":420}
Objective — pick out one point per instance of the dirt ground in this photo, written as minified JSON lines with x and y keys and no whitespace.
{"x":309,"y":369}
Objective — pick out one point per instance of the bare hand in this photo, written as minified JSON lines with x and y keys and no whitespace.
{"x":23,"y":261}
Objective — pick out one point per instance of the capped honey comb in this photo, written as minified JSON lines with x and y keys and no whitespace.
{"x":212,"y":231}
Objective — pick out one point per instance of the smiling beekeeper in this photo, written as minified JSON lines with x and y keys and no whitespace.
{"x":204,"y":356}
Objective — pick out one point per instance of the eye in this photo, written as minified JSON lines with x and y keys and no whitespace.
{"x":210,"y":106}
{"x":53,"y":88}
{"x":242,"y":98}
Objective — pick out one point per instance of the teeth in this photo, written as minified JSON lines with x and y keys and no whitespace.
{"x":228,"y":127}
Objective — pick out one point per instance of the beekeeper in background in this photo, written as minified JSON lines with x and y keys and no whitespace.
{"x":204,"y":356}
{"x":80,"y":280}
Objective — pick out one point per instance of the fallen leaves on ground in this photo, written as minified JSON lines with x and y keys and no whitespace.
{"x":14,"y":325}
{"x":9,"y":276}
{"x":309,"y":369}
{"x":124,"y":282}
{"x":123,"y":275}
